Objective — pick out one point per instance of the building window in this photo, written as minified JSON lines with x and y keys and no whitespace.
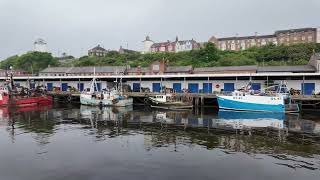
{"x":233,"y":46}
{"x":309,"y":38}
{"x":156,"y":67}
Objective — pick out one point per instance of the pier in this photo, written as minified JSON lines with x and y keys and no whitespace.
{"x":198,"y":99}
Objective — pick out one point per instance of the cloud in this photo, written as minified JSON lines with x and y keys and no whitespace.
{"x":74,"y":26}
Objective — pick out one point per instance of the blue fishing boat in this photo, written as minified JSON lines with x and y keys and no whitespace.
{"x":245,"y":101}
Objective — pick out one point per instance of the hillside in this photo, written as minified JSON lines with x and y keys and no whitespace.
{"x":208,"y":56}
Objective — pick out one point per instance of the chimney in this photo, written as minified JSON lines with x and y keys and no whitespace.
{"x":139,"y":70}
{"x":162,"y":66}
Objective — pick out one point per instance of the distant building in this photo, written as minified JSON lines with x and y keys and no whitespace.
{"x":97,"y":51}
{"x":161,"y":68}
{"x":286,"y":37}
{"x":40,"y":46}
{"x":187,"y":45}
{"x":147,"y":45}
{"x":4,"y":73}
{"x":169,"y":46}
{"x":65,"y":58}
{"x":126,"y":51}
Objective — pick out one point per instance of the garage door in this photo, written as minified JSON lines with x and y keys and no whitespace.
{"x":136,"y":87}
{"x":80,"y":87}
{"x":64,"y":86}
{"x":49,"y":86}
{"x":156,"y":87}
{"x":207,"y":87}
{"x":228,"y":87}
{"x":256,"y":86}
{"x":177,"y":87}
{"x":193,"y":87}
{"x":308,"y":88}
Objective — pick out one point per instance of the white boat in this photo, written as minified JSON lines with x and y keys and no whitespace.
{"x":245,"y":101}
{"x":104,"y":98}
{"x":169,"y":102}
{"x":114,"y":98}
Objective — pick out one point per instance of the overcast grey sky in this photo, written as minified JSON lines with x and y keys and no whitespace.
{"x":74,"y":26}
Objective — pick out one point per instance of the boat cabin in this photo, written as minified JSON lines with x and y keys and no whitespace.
{"x":164,"y":98}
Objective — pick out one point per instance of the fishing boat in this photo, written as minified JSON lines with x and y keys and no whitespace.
{"x":245,"y":101}
{"x":91,"y":97}
{"x":116,"y":99}
{"x":12,"y":96}
{"x":105,"y":98}
{"x":169,"y":102}
{"x":281,"y":89}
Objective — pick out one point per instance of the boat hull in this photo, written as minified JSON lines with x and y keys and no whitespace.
{"x":25,"y":101}
{"x":90,"y":102}
{"x":4,"y":100}
{"x":31,"y":101}
{"x":118,"y":103}
{"x":106,"y":102}
{"x":171,"y":105}
{"x":259,"y":103}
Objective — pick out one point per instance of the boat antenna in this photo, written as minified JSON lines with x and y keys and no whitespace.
{"x":11,"y":78}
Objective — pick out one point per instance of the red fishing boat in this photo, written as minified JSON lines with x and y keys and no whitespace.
{"x":14,"y":97}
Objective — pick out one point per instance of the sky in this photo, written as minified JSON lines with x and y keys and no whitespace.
{"x":74,"y":26}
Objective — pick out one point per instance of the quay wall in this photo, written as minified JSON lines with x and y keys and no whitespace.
{"x":218,"y":82}
{"x":217,"y":85}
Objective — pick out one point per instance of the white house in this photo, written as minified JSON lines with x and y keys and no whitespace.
{"x":187,"y":45}
{"x":147,"y":45}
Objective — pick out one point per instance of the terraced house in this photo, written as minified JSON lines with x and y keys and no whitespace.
{"x":169,"y":46}
{"x":286,"y":37}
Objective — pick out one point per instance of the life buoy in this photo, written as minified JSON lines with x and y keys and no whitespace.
{"x":217,"y":86}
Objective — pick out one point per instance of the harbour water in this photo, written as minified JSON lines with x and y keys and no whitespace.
{"x":80,"y":142}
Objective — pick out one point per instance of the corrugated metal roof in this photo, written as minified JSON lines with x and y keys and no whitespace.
{"x":178,"y":68}
{"x":226,"y":68}
{"x":56,"y":70}
{"x":142,"y":69}
{"x":296,"y":30}
{"x":303,"y":68}
{"x":246,"y":37}
{"x":98,"y":69}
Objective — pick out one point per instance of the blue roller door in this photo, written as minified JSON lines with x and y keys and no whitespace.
{"x":207,"y":87}
{"x":80,"y":87}
{"x":193,"y":87}
{"x":228,"y":87}
{"x":49,"y":86}
{"x":308,"y":88}
{"x":177,"y":87}
{"x":256,"y":86}
{"x":156,"y":87}
{"x":64,"y":86}
{"x":136,"y":87}
{"x":97,"y":87}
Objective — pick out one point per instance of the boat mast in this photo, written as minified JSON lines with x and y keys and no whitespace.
{"x":93,"y":82}
{"x":11,"y":78}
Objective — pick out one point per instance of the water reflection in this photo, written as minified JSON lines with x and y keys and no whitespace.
{"x":243,"y":120}
{"x":133,"y":133}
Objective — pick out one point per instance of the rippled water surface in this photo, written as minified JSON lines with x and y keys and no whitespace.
{"x":79,"y":142}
